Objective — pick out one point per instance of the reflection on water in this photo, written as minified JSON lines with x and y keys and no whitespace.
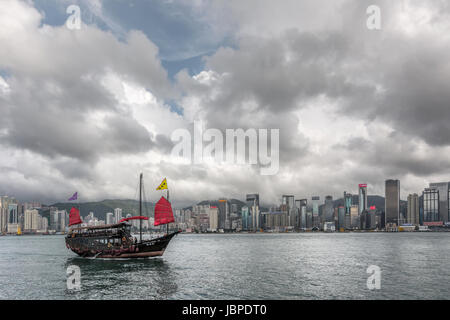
{"x":124,"y":278}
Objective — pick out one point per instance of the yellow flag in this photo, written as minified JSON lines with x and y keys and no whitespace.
{"x":163,"y":185}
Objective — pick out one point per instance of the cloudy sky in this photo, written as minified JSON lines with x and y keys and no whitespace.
{"x":87,"y":110}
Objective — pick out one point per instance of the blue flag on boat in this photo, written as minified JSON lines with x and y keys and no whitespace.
{"x":74,"y":197}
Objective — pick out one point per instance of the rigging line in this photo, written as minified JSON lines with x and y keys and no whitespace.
{"x":144,"y":196}
{"x":136,"y":195}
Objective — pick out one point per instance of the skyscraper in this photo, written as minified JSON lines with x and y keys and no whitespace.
{"x":444,"y":200}
{"x":348,"y":202}
{"x":328,"y":209}
{"x":315,"y":211}
{"x":223,"y":214}
{"x":109,"y":218}
{"x":253,"y":206}
{"x":431,"y":205}
{"x":213,"y":218}
{"x":288,"y":202}
{"x":13,"y":216}
{"x":362,"y":205}
{"x":354,"y":217}
{"x":341,"y":218}
{"x":392,"y":201}
{"x":246,"y":222}
{"x":5,"y":201}
{"x":413,"y":209}
{"x":117,"y":215}
{"x":302,"y":213}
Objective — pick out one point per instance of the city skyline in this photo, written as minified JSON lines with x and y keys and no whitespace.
{"x":88,"y":109}
{"x":309,"y":195}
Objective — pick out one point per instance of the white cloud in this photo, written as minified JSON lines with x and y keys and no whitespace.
{"x":84,"y":110}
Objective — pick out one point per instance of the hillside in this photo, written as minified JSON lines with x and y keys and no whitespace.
{"x":102,"y":207}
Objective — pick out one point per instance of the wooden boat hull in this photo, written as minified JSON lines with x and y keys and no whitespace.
{"x":144,"y":249}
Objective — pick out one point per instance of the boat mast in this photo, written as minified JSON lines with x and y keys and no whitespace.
{"x":140,"y":207}
{"x":167,"y":225}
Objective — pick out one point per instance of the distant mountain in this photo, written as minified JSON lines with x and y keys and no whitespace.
{"x":377,"y":201}
{"x":239,"y":203}
{"x":100,"y":208}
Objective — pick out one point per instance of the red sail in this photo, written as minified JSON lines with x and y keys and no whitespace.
{"x":74,"y":217}
{"x":163,"y":212}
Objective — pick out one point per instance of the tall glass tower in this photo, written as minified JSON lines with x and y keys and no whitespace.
{"x":362,"y":198}
{"x":315,"y":211}
{"x":348,"y":202}
{"x":392,"y":201}
{"x":253,"y":205}
{"x":444,"y":207}
{"x":431,"y":205}
{"x":329,"y":209}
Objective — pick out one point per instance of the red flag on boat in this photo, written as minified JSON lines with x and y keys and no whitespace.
{"x":163,"y":212}
{"x":74,"y":216}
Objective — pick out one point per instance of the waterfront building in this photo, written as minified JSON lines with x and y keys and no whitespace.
{"x":54,"y":220}
{"x":348,"y":202}
{"x":362,"y":204}
{"x":315,"y":200}
{"x":224,"y":211}
{"x":288,"y":202}
{"x":5,"y":201}
{"x":431,"y":205}
{"x":444,"y":200}
{"x":302,"y":218}
{"x":31,"y":220}
{"x":328,"y":215}
{"x":354,"y":217}
{"x":392,"y":201}
{"x":117,"y":214}
{"x":13,"y":215}
{"x":275,"y":219}
{"x":13,"y":218}
{"x":63,"y":220}
{"x":413,"y":209}
{"x":213,"y":218}
{"x":329,"y":227}
{"x":368,"y":219}
{"x":110,"y":218}
{"x":341,"y":218}
{"x":252,"y":201}
{"x":246,"y":219}
{"x":58,"y":220}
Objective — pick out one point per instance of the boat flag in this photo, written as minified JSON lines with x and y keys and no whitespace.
{"x":163,"y":185}
{"x":74,"y":197}
{"x":74,"y":217}
{"x":163,"y":212}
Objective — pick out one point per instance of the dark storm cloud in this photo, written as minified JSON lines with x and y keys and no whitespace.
{"x":396,"y":154}
{"x":65,"y":98}
{"x":263,"y":82}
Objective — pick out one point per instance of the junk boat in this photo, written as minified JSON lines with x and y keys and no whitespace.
{"x":115,"y":240}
